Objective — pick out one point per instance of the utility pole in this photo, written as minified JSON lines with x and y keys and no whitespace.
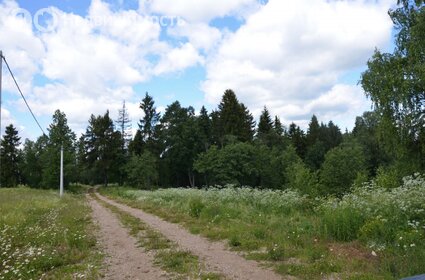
{"x":61,"y":179}
{"x":1,"y":71}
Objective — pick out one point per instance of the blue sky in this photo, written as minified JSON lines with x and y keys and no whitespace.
{"x":297,"y":59}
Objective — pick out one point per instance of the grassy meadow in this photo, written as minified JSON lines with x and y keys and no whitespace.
{"x":371,"y":233}
{"x":44,"y":237}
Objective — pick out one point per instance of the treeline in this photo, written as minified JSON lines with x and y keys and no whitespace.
{"x":226,"y":146}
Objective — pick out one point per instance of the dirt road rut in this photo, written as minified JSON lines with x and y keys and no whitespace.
{"x":124,"y":259}
{"x":214,"y":254}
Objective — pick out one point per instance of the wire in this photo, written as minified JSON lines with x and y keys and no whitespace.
{"x":23,"y":97}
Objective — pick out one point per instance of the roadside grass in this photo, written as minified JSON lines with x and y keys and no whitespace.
{"x":44,"y":237}
{"x":181,"y":264}
{"x":372,"y":234}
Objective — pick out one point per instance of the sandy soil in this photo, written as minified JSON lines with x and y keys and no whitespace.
{"x":124,"y":259}
{"x":214,"y":255}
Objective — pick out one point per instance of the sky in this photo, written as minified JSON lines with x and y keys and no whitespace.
{"x":298,"y":58}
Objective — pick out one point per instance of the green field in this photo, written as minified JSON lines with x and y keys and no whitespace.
{"x":372,"y":233}
{"x":44,"y":237}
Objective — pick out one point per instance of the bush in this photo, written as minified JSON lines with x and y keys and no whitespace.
{"x":341,"y":168}
{"x":142,"y":171}
{"x":301,"y":178}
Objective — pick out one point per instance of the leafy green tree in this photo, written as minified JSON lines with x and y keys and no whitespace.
{"x":32,"y":161}
{"x":10,"y":158}
{"x":301,"y":178}
{"x":366,"y":133}
{"x":342,"y":166}
{"x":234,"y":164}
{"x":60,"y":135}
{"x":142,"y":170}
{"x":181,"y":142}
{"x":395,"y":83}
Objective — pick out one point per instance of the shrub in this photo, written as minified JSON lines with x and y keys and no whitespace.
{"x":341,"y":167}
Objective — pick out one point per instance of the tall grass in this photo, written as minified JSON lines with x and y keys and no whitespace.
{"x":42,"y":236}
{"x":391,"y":222}
{"x":378,"y":233}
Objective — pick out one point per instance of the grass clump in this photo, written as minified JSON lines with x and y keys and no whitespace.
{"x":390,"y":222}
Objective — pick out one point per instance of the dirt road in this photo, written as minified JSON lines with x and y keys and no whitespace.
{"x":124,"y":259}
{"x":214,"y":255}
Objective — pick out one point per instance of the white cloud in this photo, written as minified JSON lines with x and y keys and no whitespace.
{"x":287,"y":55}
{"x":91,"y":63}
{"x":20,"y":46}
{"x":200,"y":35}
{"x":196,"y":11}
{"x":178,"y":59}
{"x":78,"y":55}
{"x":291,"y":54}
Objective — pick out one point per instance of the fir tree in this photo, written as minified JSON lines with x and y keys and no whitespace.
{"x":204,"y":124}
{"x":60,"y":135}
{"x":278,"y":127}
{"x":150,"y":119}
{"x":265,"y":125}
{"x":10,"y":158}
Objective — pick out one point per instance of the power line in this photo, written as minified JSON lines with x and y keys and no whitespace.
{"x":23,"y":97}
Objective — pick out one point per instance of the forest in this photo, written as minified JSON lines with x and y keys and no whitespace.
{"x":180,"y":148}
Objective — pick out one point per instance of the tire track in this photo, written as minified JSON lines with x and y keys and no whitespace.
{"x":124,"y":260}
{"x":213,"y":254}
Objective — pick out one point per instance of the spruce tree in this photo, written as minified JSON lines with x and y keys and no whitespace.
{"x":235,"y":120}
{"x":103,"y":146}
{"x":265,"y":125}
{"x":313,"y":132}
{"x":297,"y":137}
{"x":204,"y":124}
{"x":10,"y":158}
{"x":150,"y":118}
{"x":278,"y":127}
{"x":60,"y":135}
{"x":248,"y":127}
